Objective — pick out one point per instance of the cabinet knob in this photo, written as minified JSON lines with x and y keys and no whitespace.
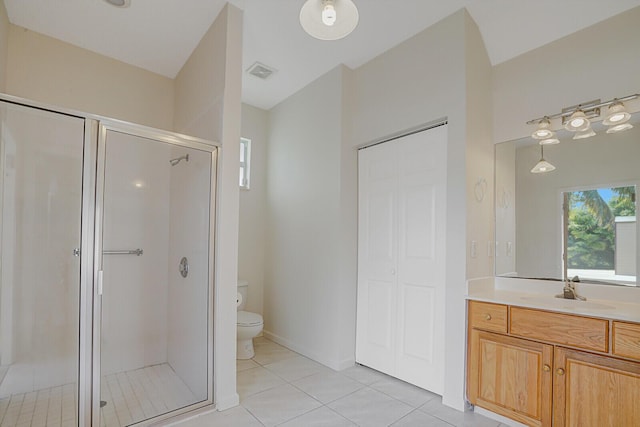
{"x":546,"y":368}
{"x":560,"y":371}
{"x":487,"y":317}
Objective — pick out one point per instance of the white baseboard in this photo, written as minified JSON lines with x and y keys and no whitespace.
{"x":336,"y":365}
{"x":227,"y":402}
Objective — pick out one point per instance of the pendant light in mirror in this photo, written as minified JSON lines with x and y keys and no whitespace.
{"x":542,"y":166}
{"x":329,"y":19}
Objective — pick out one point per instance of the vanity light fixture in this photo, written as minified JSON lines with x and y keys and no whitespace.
{"x":329,"y":19}
{"x":542,"y":166}
{"x":577,"y":119}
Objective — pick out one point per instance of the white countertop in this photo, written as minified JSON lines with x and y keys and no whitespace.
{"x":516,"y":292}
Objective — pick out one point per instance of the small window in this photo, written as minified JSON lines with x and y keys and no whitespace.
{"x":245,"y":163}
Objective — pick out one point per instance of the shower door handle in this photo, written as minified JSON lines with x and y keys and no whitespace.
{"x":99,"y":283}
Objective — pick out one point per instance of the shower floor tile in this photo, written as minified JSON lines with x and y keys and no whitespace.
{"x":50,"y":407}
{"x":144,"y":393}
{"x":131,"y":396}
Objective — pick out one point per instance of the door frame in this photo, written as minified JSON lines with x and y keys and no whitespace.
{"x":103,"y":127}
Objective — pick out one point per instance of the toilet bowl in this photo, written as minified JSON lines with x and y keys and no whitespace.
{"x":249,"y":324}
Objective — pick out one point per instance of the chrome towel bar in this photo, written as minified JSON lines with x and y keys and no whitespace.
{"x":136,"y":252}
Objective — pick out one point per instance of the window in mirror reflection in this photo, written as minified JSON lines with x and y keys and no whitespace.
{"x":600,"y":234}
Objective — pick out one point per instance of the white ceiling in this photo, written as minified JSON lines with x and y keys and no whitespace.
{"x":159,"y":35}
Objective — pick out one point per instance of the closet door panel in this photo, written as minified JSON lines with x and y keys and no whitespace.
{"x":421,"y":262}
{"x":377,"y":259}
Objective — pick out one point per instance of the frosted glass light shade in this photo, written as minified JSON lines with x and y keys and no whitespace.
{"x":543,"y":166}
{"x":584,"y":134}
{"x":616,"y":115}
{"x":549,"y":141}
{"x":346,"y":19}
{"x":578,"y":122}
{"x":543,"y":131}
{"x":620,"y":128}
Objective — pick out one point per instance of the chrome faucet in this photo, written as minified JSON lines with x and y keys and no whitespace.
{"x":569,"y":290}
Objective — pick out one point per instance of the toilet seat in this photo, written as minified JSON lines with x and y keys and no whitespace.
{"x":247,"y":318}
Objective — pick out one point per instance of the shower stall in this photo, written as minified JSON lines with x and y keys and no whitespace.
{"x":106,"y":270}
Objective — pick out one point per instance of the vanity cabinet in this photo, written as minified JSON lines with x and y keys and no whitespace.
{"x":545,"y":368}
{"x":595,"y":390}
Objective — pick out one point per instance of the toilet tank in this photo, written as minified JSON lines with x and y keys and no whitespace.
{"x":243,"y":289}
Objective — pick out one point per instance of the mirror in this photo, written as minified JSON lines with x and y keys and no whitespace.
{"x":585,"y":208}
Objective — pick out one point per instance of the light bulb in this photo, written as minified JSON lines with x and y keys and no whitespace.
{"x":577,"y":122}
{"x":329,"y":14}
{"x":617,"y":115}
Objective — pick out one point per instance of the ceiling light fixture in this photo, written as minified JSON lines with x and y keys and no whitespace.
{"x":329,"y":19}
{"x":542,"y":166}
{"x":119,"y":3}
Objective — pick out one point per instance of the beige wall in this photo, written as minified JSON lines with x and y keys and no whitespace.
{"x":479,"y":153}
{"x":601,"y":61}
{"x":4,"y":45}
{"x":302,"y":278}
{"x":207,"y":105}
{"x":253,"y":202}
{"x":53,"y":72}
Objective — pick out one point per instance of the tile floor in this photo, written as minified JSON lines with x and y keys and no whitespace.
{"x":279,"y":387}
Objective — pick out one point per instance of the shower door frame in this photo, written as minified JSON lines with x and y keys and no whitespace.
{"x":103,"y":126}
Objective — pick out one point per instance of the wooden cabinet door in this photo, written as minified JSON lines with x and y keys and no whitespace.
{"x":511,"y":376}
{"x":591,"y":390}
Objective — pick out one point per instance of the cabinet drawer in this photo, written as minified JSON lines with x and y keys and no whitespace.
{"x":491,"y":317}
{"x":626,"y":340}
{"x":575,"y":331}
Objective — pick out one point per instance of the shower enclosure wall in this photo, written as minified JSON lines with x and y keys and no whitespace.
{"x":106,"y":270}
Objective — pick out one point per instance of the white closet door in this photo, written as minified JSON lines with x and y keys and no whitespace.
{"x":401,"y":264}
{"x":377,"y":257}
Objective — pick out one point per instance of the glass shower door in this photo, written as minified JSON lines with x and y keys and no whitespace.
{"x":41,"y":198}
{"x":156,"y":276}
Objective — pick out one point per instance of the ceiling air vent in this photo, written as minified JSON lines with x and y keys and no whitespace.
{"x":260,"y":70}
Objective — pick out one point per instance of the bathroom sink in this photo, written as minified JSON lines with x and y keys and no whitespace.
{"x":566,"y":303}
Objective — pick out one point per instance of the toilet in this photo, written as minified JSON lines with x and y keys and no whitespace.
{"x":249,"y":324}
